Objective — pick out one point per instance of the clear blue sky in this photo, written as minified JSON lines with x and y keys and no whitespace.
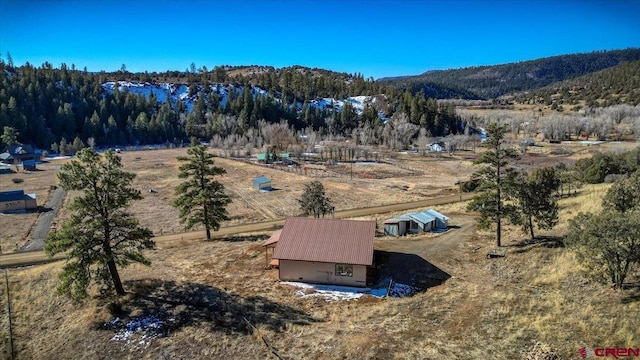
{"x":374,"y":38}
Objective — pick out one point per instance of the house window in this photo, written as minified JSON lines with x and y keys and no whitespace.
{"x":344,"y":270}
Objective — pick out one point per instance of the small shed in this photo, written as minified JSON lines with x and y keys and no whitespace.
{"x":262,"y":183}
{"x":442,"y":221}
{"x":422,"y":221}
{"x":397,"y":226}
{"x":6,"y":158}
{"x":427,"y":220}
{"x":16,"y":200}
{"x":437,"y":147}
{"x":5,"y":169}
{"x":262,"y":157}
{"x":29,"y":165}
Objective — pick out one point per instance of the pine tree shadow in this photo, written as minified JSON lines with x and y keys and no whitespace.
{"x":550,"y":242}
{"x":188,"y":304}
{"x":251,"y":238}
{"x":632,"y":292}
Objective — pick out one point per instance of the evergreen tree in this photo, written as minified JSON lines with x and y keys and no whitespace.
{"x":495,"y":180}
{"x":536,"y":199}
{"x":314,"y":201}
{"x":100,"y":235}
{"x":9,"y":137}
{"x":201,"y":200}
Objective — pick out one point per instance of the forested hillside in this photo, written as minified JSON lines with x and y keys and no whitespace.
{"x":617,"y":85}
{"x":48,"y":105}
{"x":489,"y":82}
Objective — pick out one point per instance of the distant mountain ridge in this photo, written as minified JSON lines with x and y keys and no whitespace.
{"x":489,"y":82}
{"x":619,"y":84}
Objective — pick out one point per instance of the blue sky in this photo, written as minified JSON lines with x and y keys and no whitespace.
{"x":375,"y":38}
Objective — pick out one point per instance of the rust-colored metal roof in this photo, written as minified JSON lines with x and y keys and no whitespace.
{"x":326,"y":240}
{"x":273,"y":239}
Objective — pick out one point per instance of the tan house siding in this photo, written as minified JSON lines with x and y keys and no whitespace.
{"x":321,"y":273}
{"x":18,"y":205}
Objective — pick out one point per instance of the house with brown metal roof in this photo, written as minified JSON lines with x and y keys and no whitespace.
{"x":325,"y":251}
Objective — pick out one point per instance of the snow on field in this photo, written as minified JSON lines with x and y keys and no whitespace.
{"x":337,"y":293}
{"x":138,"y":333}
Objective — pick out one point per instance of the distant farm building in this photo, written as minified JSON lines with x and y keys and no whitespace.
{"x":29,"y":165}
{"x":16,"y":154}
{"x":6,"y":158}
{"x":262,"y":183}
{"x":17,"y":200}
{"x":269,"y":157}
{"x":428,"y":220}
{"x":5,"y":169}
{"x":325,"y":251}
{"x":437,"y":147}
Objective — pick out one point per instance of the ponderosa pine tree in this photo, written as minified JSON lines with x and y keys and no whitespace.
{"x":495,"y":180}
{"x":314,"y":201}
{"x":100,"y":235}
{"x":201,"y":200}
{"x":536,"y":199}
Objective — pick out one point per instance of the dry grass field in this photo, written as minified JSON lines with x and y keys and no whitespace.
{"x":209,"y":292}
{"x":402,"y":178}
{"x":158,"y":170}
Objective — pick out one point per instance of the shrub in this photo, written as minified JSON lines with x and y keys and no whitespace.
{"x":17,"y":180}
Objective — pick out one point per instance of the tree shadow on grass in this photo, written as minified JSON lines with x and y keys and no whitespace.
{"x":550,"y":242}
{"x":408,"y":269}
{"x":632,"y":292}
{"x":188,"y":304}
{"x":253,"y":238}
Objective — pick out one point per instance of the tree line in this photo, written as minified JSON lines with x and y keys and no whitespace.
{"x":47,"y":105}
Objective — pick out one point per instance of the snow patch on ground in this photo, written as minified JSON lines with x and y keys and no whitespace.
{"x":338,"y":293}
{"x":138,"y":332}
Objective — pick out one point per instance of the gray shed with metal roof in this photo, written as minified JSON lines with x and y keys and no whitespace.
{"x":427,"y":220}
{"x":397,"y":226}
{"x":442,"y":221}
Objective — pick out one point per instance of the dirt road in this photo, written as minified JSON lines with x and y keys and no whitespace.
{"x":35,"y":257}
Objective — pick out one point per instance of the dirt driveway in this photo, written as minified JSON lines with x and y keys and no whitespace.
{"x":424,"y":260}
{"x":43,"y":224}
